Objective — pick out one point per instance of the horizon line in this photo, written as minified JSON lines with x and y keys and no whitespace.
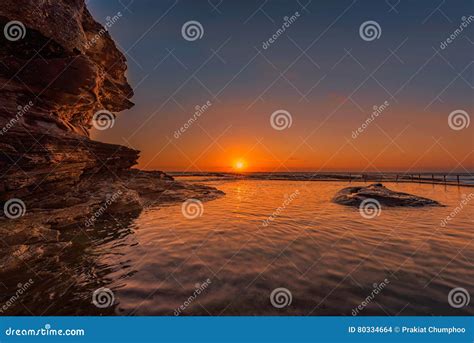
{"x":325,"y":172}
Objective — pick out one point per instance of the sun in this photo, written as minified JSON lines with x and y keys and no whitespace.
{"x":239,"y":165}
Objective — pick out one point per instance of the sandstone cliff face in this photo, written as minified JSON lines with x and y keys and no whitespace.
{"x":50,"y":87}
{"x":58,"y":67}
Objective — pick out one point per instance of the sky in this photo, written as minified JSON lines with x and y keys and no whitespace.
{"x":321,"y":74}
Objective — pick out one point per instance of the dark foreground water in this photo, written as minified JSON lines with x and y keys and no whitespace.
{"x":323,"y":258}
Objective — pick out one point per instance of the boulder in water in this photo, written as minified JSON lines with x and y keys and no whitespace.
{"x":354,"y":196}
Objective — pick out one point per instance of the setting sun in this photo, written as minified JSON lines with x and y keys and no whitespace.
{"x":239,"y":165}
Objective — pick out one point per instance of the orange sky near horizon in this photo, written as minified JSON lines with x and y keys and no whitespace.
{"x":397,"y":140}
{"x":322,"y":71}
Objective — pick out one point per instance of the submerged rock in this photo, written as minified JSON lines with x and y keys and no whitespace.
{"x":353,"y":196}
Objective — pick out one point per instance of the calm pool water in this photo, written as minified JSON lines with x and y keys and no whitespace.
{"x":327,"y":256}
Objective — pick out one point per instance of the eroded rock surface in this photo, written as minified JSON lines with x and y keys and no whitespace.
{"x":353,"y":196}
{"x":64,"y":68}
{"x":50,"y":88}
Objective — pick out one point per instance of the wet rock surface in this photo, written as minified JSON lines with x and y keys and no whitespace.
{"x":51,"y":86}
{"x":353,"y":196}
{"x":52,"y":82}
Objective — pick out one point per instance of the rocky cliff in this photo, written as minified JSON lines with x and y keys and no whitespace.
{"x":50,"y":87}
{"x":58,"y":68}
